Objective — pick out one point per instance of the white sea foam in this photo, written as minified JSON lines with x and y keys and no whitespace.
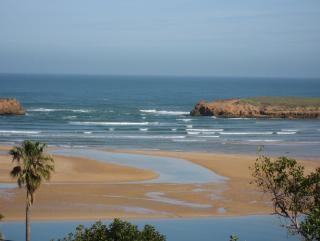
{"x":143,"y":129}
{"x":205,"y":130}
{"x":81,"y":111}
{"x":174,"y":129}
{"x":185,"y":120}
{"x":56,"y":110}
{"x":289,"y":130}
{"x":97,"y":123}
{"x":210,"y":136}
{"x":165,"y":112}
{"x":189,"y":140}
{"x":18,"y":132}
{"x":241,"y":118}
{"x":193,"y":132}
{"x":111,"y":129}
{"x":261,"y":140}
{"x":114,"y":136}
{"x":44,"y":110}
{"x":286,"y":132}
{"x":189,"y":126}
{"x":148,"y":137}
{"x":87,"y":132}
{"x":246,"y":133}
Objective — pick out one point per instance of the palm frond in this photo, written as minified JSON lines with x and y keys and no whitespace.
{"x":33,"y":166}
{"x":16,"y":171}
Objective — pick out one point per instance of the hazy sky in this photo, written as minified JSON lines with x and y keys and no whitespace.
{"x":169,"y":37}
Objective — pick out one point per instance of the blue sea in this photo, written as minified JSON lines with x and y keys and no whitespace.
{"x":148,"y":112}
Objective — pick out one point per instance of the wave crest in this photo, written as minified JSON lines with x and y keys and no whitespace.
{"x":106,"y":123}
{"x":247,"y":133}
{"x":58,"y":110}
{"x":165,"y":112}
{"x":18,"y":132}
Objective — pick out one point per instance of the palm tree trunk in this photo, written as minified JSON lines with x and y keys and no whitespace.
{"x":27,"y":218}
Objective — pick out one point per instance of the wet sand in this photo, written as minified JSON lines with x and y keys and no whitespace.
{"x":91,"y":190}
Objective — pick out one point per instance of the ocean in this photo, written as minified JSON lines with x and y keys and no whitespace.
{"x":150,"y":112}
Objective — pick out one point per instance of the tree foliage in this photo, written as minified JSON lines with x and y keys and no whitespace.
{"x":295,"y":195}
{"x":118,"y":230}
{"x":33,"y":166}
{"x":234,"y":238}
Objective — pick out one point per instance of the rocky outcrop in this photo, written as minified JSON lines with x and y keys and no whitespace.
{"x":11,"y":107}
{"x":252,"y":108}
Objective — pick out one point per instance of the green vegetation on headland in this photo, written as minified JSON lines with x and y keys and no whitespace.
{"x":260,"y":107}
{"x":288,"y":101}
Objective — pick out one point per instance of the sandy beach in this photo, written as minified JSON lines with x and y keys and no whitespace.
{"x":92,"y":189}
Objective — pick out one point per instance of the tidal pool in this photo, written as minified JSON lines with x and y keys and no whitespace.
{"x":171,"y":170}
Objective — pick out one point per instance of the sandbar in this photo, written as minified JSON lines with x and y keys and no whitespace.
{"x":83,"y":189}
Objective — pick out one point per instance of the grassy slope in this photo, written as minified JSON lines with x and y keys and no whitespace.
{"x":283,"y":101}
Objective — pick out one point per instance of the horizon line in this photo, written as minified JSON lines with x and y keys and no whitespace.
{"x":159,"y":75}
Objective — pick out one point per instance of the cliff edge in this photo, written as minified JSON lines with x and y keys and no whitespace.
{"x":11,"y":107}
{"x":260,"y":107}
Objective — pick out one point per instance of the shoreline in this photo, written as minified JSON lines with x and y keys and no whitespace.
{"x":139,"y":219}
{"x":6,"y":147}
{"x":83,"y":199}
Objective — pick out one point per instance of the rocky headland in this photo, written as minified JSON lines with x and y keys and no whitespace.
{"x":260,"y":107}
{"x":11,"y":107}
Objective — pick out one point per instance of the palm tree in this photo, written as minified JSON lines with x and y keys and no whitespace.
{"x":33,"y":165}
{"x":1,"y":236}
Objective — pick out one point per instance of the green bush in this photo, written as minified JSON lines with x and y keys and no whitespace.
{"x":295,"y":195}
{"x":118,"y":230}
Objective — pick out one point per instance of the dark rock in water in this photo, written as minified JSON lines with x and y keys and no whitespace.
{"x":260,"y":107}
{"x":11,"y":107}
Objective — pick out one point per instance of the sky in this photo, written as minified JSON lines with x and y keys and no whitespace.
{"x":267,"y":38}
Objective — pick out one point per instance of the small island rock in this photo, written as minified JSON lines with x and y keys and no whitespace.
{"x":11,"y":107}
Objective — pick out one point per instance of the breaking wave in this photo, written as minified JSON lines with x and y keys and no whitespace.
{"x":97,"y":123}
{"x":59,"y":110}
{"x":185,"y":120}
{"x":165,"y":112}
{"x":19,"y":132}
{"x":148,"y":137}
{"x":205,"y":130}
{"x":286,"y":132}
{"x":246,"y":133}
